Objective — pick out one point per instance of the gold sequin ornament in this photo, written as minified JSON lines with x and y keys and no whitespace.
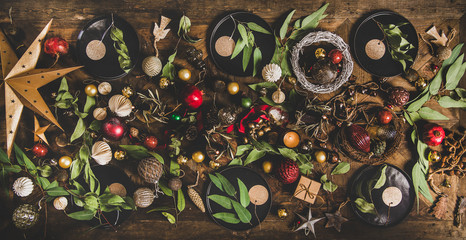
{"x":100,"y":113}
{"x":214,"y":165}
{"x":104,"y":88}
{"x":119,"y":155}
{"x":420,"y":83}
{"x":127,"y":91}
{"x":182,"y":160}
{"x":195,"y":197}
{"x":278,"y":96}
{"x":151,"y":66}
{"x":60,"y":203}
{"x":23,"y":186}
{"x":143,"y":197}
{"x":282,"y":213}
{"x":164,"y":83}
{"x":150,"y":169}
{"x":320,"y":53}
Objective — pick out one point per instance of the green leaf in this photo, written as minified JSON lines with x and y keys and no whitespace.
{"x":430,"y":114}
{"x":268,"y":85}
{"x":288,"y":153}
{"x":454,"y":54}
{"x":305,"y":168}
{"x":78,"y":130}
{"x":253,"y":156}
{"x":229,"y":189}
{"x":167,"y":191}
{"x":135,"y":151}
{"x":95,"y":125}
{"x":76,"y":168}
{"x":238,"y":47}
{"x":311,"y":21}
{"x":226,"y":217}
{"x":243,"y":33}
{"x":341,"y":168}
{"x":57,"y":191}
{"x":255,"y":27}
{"x":247,"y":52}
{"x":181,"y":202}
{"x":158,"y":209}
{"x":174,"y":168}
{"x":459,"y":68}
{"x":365,"y":206}
{"x":435,"y":84}
{"x":171,"y":58}
{"x":285,"y":24}
{"x":43,"y":182}
{"x":11,"y":168}
{"x":216,"y":181}
{"x":416,"y":105}
{"x":84,"y":215}
{"x":90,"y":102}
{"x":257,"y":57}
{"x":157,"y":156}
{"x":171,"y":219}
{"x":243,"y":214}
{"x":382,"y":178}
{"x":63,"y":85}
{"x":223,"y":201}
{"x":329,"y":186}
{"x":241,"y":149}
{"x":23,"y":160}
{"x":92,"y":202}
{"x":168,"y":71}
{"x":243,"y":194}
{"x":236,"y":162}
{"x":3,"y":157}
{"x":448,"y":102}
{"x":185,"y":25}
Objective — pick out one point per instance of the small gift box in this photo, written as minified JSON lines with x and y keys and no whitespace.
{"x":307,"y":190}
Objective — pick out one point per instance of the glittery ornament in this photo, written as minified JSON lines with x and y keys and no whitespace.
{"x":182,"y":160}
{"x":143,"y":197}
{"x":104,"y":88}
{"x":227,"y":115}
{"x":100,"y":113}
{"x":282,"y":213}
{"x":127,"y":91}
{"x":150,"y":169}
{"x":420,"y":83}
{"x":214,"y":165}
{"x":101,"y":153}
{"x":434,"y":156}
{"x":164,"y":83}
{"x":25,"y":216}
{"x":60,"y":203}
{"x":120,"y":105}
{"x":23,"y":186}
{"x":133,"y":132}
{"x":151,"y":66}
{"x":288,"y":171}
{"x":119,"y":155}
{"x":320,"y":53}
{"x":398,"y":96}
{"x":271,"y":72}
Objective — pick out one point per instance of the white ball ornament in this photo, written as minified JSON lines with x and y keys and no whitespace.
{"x":23,"y":186}
{"x":271,"y":72}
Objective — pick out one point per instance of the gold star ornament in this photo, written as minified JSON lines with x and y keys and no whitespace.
{"x":39,"y":132}
{"x":21,"y":81}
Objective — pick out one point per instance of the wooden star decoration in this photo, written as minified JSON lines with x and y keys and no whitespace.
{"x":21,"y":81}
{"x":335,"y":220}
{"x":308,"y":224}
{"x":39,"y":132}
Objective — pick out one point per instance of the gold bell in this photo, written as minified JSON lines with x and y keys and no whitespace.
{"x":127,"y":91}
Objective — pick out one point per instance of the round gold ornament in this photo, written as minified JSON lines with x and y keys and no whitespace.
{"x":182,"y":160}
{"x":320,"y":156}
{"x":434,"y":156}
{"x":90,"y":90}
{"x":282,"y":213}
{"x":420,"y":83}
{"x":127,"y":91}
{"x":119,"y":155}
{"x":320,"y":53}
{"x":104,"y":88}
{"x":233,"y":88}
{"x":60,"y":203}
{"x":291,"y":80}
{"x":143,"y":197}
{"x":184,"y":74}
{"x":164,"y":83}
{"x":150,"y":169}
{"x":198,"y":156}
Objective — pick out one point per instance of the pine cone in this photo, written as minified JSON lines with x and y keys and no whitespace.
{"x":398,"y":96}
{"x":288,"y":172}
{"x":191,"y":133}
{"x":211,"y":119}
{"x":196,"y":198}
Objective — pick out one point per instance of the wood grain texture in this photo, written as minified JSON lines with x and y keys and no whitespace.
{"x":71,"y":16}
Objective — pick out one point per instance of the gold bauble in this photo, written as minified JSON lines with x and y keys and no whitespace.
{"x":119,"y":155}
{"x":164,"y":83}
{"x":214,"y":165}
{"x":320,"y":156}
{"x":282,"y":213}
{"x":184,"y":74}
{"x":320,"y":53}
{"x":420,"y":83}
{"x":198,"y":156}
{"x":233,"y":88}
{"x":127,"y":91}
{"x":90,"y":90}
{"x":182,"y":160}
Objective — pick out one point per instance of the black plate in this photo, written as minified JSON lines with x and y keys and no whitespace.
{"x":108,"y":67}
{"x":107,"y":175}
{"x":395,"y":178}
{"x":250,"y":178}
{"x":368,"y":30}
{"x":225,"y":27}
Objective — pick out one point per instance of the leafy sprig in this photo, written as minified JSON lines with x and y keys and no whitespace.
{"x":362,"y":203}
{"x":184,"y":28}
{"x":397,"y":42}
{"x":120,"y":47}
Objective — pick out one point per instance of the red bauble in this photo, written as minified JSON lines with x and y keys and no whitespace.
{"x":359,"y":138}
{"x":56,"y":46}
{"x":114,"y":129}
{"x":336,"y":56}
{"x":432,"y":134}
{"x":288,"y":171}
{"x":150,"y":142}
{"x":192,"y":96}
{"x":40,"y":150}
{"x":384,"y":116}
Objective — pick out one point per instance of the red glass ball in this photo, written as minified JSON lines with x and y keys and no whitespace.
{"x":336,"y":56}
{"x":40,"y":150}
{"x":114,"y":129}
{"x":384,"y":116}
{"x":150,"y":142}
{"x":192,"y":97}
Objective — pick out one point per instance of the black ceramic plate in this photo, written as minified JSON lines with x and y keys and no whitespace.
{"x":395,"y":178}
{"x":107,"y":175}
{"x":368,"y":30}
{"x":250,"y":178}
{"x":108,"y":67}
{"x":225,"y":27}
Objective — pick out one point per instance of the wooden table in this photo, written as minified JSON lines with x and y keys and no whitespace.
{"x":70,"y":17}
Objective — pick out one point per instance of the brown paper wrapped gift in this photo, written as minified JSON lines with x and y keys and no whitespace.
{"x":307,"y":190}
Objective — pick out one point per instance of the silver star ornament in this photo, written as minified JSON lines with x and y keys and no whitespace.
{"x":308,"y":224}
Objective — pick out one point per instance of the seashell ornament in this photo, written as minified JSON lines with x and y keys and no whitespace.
{"x":143,"y":197}
{"x":150,"y":169}
{"x":120,"y":105}
{"x":104,"y":88}
{"x":101,"y":153}
{"x":151,"y":66}
{"x":23,"y":186}
{"x":359,"y":138}
{"x":60,"y":203}
{"x":271,"y":72}
{"x":100,"y":113}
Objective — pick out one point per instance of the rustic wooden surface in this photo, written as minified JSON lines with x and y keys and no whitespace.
{"x":69,"y":18}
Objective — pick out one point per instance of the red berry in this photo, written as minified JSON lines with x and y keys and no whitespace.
{"x":40,"y":150}
{"x":336,"y":56}
{"x":150,"y":142}
{"x":288,"y":172}
{"x":384,"y":116}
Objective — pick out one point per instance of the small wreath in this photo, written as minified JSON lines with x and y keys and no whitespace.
{"x":347,"y":62}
